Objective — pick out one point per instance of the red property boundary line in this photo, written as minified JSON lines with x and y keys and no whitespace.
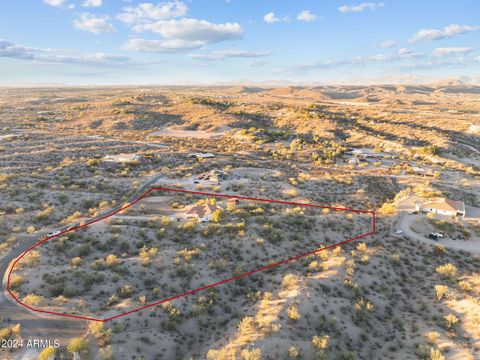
{"x":372,"y":232}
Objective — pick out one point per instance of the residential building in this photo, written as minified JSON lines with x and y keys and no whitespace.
{"x":202,"y":213}
{"x":442,"y":206}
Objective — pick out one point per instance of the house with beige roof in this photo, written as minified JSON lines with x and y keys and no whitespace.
{"x":123,"y":158}
{"x":202,"y":213}
{"x":443,"y":206}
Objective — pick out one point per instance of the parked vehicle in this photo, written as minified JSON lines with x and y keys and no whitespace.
{"x":53,"y":233}
{"x":398,"y":232}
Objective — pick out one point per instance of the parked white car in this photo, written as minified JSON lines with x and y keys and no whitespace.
{"x":53,"y":233}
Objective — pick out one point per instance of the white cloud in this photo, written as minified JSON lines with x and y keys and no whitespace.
{"x":271,"y":18}
{"x":358,"y":61}
{"x":224,"y":54}
{"x":184,"y":34}
{"x":404,"y":51}
{"x":56,"y":56}
{"x":160,"y":46}
{"x":255,"y":63}
{"x":446,"y":51}
{"x":307,"y":16}
{"x":449,"y":31}
{"x":360,"y":7}
{"x":92,"y":3}
{"x":387,"y":44}
{"x":56,"y":3}
{"x":11,"y":50}
{"x":146,"y":12}
{"x":94,"y":24}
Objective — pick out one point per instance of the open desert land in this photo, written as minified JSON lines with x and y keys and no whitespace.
{"x":411,"y":154}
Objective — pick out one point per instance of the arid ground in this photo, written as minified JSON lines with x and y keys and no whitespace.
{"x":70,"y":155}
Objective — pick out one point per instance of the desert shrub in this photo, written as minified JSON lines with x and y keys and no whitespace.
{"x":246,"y":326}
{"x":447,"y":270}
{"x":126,"y":291}
{"x":113,"y":299}
{"x":362,"y":247}
{"x":146,"y":255}
{"x":72,"y":218}
{"x":429,"y":353}
{"x":32,"y":299}
{"x":111,"y":260}
{"x":15,"y":281}
{"x":320,"y":342}
{"x":83,"y":249}
{"x":439,"y":249}
{"x":47,"y":353}
{"x":10,"y":332}
{"x":291,"y":192}
{"x":255,"y":354}
{"x":219,"y":264}
{"x":77,"y":345}
{"x":189,"y":254}
{"x":76,"y":261}
{"x":441,"y":291}
{"x":387,"y":209}
{"x":450,"y":321}
{"x":435,"y":354}
{"x":231,"y":206}
{"x":289,"y":281}
{"x":221,"y":354}
{"x":361,"y":308}
{"x":465,"y":286}
{"x":96,"y":328}
{"x":218,"y":215}
{"x":432,"y":336}
{"x":106,"y":353}
{"x":45,"y":213}
{"x":32,"y":258}
{"x":293,"y":352}
{"x":293,"y":313}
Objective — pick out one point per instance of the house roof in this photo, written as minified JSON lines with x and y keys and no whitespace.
{"x":122,"y":157}
{"x":201,"y":211}
{"x":446,"y":205}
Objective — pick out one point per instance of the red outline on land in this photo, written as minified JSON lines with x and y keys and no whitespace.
{"x":269,"y":266}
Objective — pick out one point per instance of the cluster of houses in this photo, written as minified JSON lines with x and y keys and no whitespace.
{"x":362,"y":155}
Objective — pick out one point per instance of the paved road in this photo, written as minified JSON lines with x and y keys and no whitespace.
{"x":471,"y":246}
{"x":43,"y":326}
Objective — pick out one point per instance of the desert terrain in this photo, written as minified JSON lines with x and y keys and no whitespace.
{"x":70,"y":156}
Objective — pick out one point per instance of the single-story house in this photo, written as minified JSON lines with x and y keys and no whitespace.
{"x":442,"y":206}
{"x":123,"y":158}
{"x":202,"y":213}
{"x":201,"y":155}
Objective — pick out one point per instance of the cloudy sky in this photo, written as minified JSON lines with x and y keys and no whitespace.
{"x":225,"y":41}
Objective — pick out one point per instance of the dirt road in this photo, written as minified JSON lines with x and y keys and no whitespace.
{"x":33,"y":324}
{"x":470,"y":246}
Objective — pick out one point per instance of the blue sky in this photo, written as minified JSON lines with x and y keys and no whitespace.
{"x":228,"y":41}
